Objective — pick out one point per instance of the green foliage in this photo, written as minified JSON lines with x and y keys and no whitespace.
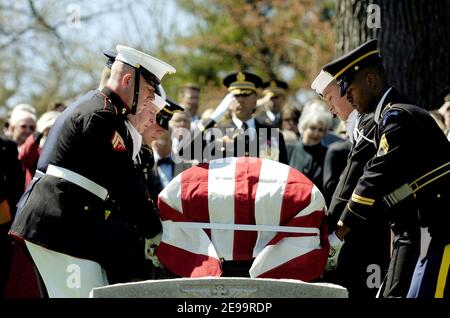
{"x":261,"y":36}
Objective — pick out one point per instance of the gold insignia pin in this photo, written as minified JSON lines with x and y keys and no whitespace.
{"x":240,"y":77}
{"x":107,"y":213}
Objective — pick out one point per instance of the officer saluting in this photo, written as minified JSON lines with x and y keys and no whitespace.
{"x":85,"y":213}
{"x":243,"y":135}
{"x":408,"y":177}
{"x":275,"y":97}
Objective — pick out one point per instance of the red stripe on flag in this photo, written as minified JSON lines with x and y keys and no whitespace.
{"x":306,"y":267}
{"x":168,"y":213}
{"x":314,"y":219}
{"x":186,"y":264}
{"x":298,"y":189}
{"x":194,"y":194}
{"x":247,"y":177}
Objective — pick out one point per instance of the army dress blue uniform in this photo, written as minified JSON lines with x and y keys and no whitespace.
{"x":90,"y":139}
{"x":409,"y":177}
{"x":367,"y":245}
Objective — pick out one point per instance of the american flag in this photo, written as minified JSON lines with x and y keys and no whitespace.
{"x":236,"y":209}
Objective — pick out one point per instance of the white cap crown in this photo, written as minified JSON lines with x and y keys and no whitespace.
{"x":321,"y":82}
{"x":134,"y":58}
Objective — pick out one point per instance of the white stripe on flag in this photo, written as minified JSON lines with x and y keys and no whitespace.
{"x":317,"y":203}
{"x":269,"y":197}
{"x":171,"y":194}
{"x":195,"y":241}
{"x":247,"y":227}
{"x":221,"y":189}
{"x":282,"y":252}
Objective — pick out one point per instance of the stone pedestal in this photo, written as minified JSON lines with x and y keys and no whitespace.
{"x":224,"y":287}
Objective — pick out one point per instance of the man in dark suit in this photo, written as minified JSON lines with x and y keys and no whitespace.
{"x":410,"y":186}
{"x":165,"y":167}
{"x":89,"y":207}
{"x":275,"y":98}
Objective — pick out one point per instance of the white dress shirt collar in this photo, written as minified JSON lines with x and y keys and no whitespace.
{"x":250,"y":123}
{"x":136,"y":137}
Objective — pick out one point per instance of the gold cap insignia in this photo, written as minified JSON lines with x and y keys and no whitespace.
{"x":240,"y":77}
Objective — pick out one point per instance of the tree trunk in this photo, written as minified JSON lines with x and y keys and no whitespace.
{"x":413,"y":40}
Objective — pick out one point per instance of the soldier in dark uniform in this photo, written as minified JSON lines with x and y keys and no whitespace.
{"x":243,"y":135}
{"x":366,"y":251}
{"x":89,"y":205}
{"x":275,"y":91}
{"x":410,"y":185}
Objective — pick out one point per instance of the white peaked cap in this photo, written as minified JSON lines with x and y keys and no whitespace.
{"x":321,"y":82}
{"x":134,"y":58}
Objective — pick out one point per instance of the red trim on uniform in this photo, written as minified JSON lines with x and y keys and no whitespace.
{"x":247,"y":178}
{"x":16,"y":236}
{"x":123,"y":102}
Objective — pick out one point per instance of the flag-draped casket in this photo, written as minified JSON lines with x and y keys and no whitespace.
{"x":243,"y":209}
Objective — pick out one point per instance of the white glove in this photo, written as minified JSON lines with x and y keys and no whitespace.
{"x":224,"y":105}
{"x":150,"y":248}
{"x":264,"y":100}
{"x":335,"y":248}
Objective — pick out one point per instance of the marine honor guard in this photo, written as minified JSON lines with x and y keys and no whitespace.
{"x":87,"y":212}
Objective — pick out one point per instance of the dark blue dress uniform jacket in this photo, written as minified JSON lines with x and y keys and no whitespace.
{"x":409,"y":145}
{"x":66,"y":218}
{"x":369,"y":243}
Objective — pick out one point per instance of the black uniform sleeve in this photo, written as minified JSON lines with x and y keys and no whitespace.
{"x":382,"y":174}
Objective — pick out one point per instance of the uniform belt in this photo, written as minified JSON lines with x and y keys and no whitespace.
{"x":79,"y":180}
{"x":410,"y":189}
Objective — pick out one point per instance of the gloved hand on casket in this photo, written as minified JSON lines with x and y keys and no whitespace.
{"x":150,"y":248}
{"x":335,"y":248}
